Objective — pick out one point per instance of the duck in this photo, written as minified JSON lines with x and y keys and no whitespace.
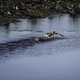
{"x":52,"y":34}
{"x":48,"y":36}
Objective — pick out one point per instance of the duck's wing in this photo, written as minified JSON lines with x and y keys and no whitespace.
{"x":61,"y":35}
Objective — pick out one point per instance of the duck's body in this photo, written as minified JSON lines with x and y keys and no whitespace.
{"x":52,"y":34}
{"x":48,"y":36}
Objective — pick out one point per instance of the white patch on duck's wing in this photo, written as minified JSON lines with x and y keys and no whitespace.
{"x":45,"y":35}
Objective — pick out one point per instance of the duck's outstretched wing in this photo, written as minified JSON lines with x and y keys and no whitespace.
{"x":61,"y":35}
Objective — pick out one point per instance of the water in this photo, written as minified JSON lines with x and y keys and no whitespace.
{"x":54,"y":60}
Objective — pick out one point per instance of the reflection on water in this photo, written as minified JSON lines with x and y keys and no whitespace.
{"x":54,"y":60}
{"x":59,"y":23}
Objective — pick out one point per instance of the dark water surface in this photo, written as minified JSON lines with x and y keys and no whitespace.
{"x":54,"y":60}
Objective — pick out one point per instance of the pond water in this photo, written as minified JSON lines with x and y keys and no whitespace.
{"x":53,"y":60}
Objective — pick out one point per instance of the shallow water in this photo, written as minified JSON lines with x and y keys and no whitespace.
{"x":54,"y":60}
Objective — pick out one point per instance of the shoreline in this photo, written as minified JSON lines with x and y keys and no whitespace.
{"x":5,"y":20}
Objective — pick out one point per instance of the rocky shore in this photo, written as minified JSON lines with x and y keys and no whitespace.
{"x":37,"y":8}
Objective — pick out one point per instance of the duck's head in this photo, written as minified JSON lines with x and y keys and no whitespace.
{"x":54,"y":32}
